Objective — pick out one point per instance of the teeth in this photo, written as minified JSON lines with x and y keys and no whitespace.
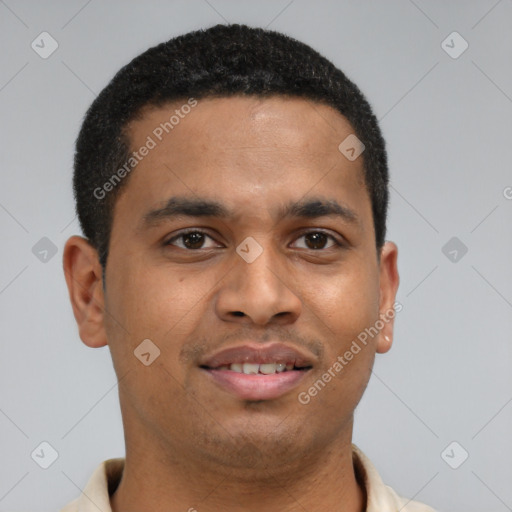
{"x":254,"y":368}
{"x":268,"y":368}
{"x":250,"y":368}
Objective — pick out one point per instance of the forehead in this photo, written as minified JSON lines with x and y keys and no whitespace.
{"x":269,"y":122}
{"x":242,"y":149}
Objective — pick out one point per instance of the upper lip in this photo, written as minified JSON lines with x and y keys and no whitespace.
{"x":258,"y":353}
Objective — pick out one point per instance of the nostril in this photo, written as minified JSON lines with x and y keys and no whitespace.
{"x":238,"y":313}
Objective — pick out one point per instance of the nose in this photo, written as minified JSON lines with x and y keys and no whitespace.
{"x":260,"y":292}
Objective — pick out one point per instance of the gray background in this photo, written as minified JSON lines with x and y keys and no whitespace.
{"x":448,"y":127}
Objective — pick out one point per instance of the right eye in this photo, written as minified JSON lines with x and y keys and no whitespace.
{"x":192,"y":240}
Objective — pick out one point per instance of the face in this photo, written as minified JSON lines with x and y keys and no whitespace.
{"x":243,"y":236}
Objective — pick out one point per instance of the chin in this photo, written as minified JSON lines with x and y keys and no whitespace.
{"x":252,"y":443}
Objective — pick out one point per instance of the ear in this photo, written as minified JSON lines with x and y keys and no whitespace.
{"x":84,"y":279}
{"x":389,"y":281}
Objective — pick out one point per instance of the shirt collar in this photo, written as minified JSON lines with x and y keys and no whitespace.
{"x":105,"y":479}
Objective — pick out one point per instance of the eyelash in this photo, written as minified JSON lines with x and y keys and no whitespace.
{"x":337,"y":243}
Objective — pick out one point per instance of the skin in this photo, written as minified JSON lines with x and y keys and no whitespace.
{"x":190,"y":444}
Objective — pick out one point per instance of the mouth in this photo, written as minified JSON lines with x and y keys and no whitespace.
{"x":257,"y":372}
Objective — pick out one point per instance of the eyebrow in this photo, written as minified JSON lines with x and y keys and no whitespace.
{"x":201,"y":207}
{"x":318,"y":207}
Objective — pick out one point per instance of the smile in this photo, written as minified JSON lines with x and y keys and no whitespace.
{"x":257,"y":372}
{"x":258,"y":368}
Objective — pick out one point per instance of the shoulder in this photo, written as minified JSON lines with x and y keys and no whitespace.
{"x":407,"y":505}
{"x":381,"y":497}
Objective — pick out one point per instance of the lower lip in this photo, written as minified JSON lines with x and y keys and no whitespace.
{"x":257,"y":387}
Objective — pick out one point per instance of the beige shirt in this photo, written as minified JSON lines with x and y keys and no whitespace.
{"x":381,"y":498}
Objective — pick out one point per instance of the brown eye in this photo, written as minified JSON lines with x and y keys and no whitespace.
{"x":192,"y":240}
{"x":316,"y":240}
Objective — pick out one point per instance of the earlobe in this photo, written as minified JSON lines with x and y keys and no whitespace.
{"x":83,"y":273}
{"x":389,"y":281}
{"x":384,"y":343}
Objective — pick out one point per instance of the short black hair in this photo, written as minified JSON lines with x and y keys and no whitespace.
{"x":221,"y":61}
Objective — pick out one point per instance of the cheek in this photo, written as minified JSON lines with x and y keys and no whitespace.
{"x":155,"y":300}
{"x":160,"y":304}
{"x":348,"y":302}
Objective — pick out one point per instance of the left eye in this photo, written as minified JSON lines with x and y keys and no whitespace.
{"x":317,"y":240}
{"x":192,"y":240}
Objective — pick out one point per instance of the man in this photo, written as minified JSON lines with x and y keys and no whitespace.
{"x":232,"y":188}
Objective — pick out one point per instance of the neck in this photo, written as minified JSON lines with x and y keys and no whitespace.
{"x":325,"y":480}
